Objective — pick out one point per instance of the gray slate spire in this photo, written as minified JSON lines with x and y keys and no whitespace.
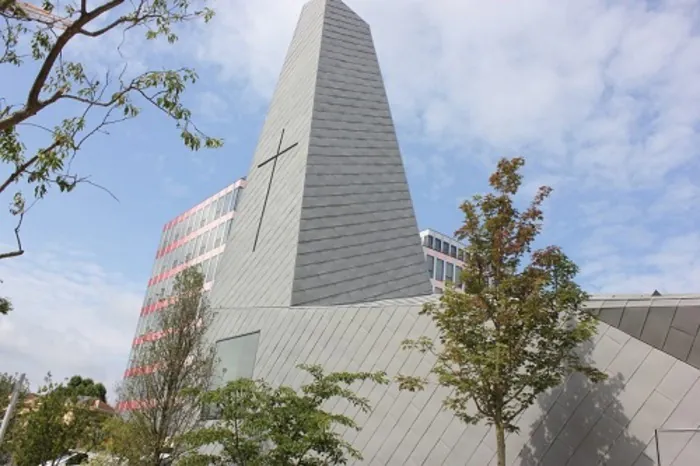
{"x":329,"y":221}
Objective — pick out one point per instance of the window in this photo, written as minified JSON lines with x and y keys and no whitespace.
{"x":446,"y":248}
{"x":431,"y":264}
{"x":428,"y":241}
{"x":238,"y":194}
{"x":219,"y":205}
{"x":453,"y":251}
{"x":226,"y":206}
{"x":437,"y":244}
{"x":460,"y":254}
{"x":235,"y":359}
{"x":439,"y":269}
{"x":449,"y":272}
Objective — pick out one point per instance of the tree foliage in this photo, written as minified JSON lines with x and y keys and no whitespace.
{"x":514,"y":331}
{"x":167,"y":374}
{"x":66,"y":101}
{"x":7,"y":385}
{"x":51,"y":424}
{"x":86,"y":387}
{"x":262,"y":425}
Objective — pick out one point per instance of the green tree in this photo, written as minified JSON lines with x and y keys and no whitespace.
{"x":262,"y":425}
{"x":515,"y":330}
{"x":86,"y":387}
{"x":167,"y":374}
{"x":66,"y":102}
{"x":51,"y":425}
{"x":7,"y":384}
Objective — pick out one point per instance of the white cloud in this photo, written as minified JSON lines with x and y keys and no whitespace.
{"x":600,"y":96}
{"x":71,"y":317}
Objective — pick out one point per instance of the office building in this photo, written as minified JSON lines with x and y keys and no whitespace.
{"x":195,"y":237}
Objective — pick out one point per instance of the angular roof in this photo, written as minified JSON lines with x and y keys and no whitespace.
{"x":669,"y":322}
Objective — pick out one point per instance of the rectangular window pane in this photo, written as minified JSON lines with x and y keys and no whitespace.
{"x":458,"y":275}
{"x":439,"y":269}
{"x":431,"y":265}
{"x":445,"y":247}
{"x":235,"y":358}
{"x":227,"y":203}
{"x":449,"y":272}
{"x":437,"y":244}
{"x":453,"y":251}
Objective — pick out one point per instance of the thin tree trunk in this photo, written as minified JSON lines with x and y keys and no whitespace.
{"x":501,"y":444}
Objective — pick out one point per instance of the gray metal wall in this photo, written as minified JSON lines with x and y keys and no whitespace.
{"x":578,"y":424}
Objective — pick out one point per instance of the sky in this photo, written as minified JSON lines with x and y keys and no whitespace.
{"x":602,"y":98}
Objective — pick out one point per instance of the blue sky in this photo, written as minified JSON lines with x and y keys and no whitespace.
{"x":600,"y":96}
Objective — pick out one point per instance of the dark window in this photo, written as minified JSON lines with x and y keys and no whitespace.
{"x":445,"y":247}
{"x":453,"y":251}
{"x":437,"y":244}
{"x":460,"y":254}
{"x":428,"y":241}
{"x":449,"y":272}
{"x":439,"y":269}
{"x":431,"y":264}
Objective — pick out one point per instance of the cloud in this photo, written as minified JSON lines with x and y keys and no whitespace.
{"x":71,"y":316}
{"x":600,"y":96}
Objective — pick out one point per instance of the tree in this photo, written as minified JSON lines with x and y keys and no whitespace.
{"x":515,"y":330}
{"x":66,"y":102}
{"x":86,"y":387}
{"x":167,"y":374}
{"x":260,"y":425}
{"x":7,"y":385}
{"x":51,"y":425}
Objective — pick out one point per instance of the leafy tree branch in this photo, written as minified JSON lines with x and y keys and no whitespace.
{"x":90,"y":101}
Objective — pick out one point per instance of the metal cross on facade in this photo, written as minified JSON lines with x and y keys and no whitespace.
{"x":272,"y":159}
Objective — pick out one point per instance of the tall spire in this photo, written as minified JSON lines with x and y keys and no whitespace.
{"x":326,"y":217}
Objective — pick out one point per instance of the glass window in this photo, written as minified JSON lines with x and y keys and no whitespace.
{"x":431,"y":265}
{"x":428,"y":241}
{"x":445,"y":247}
{"x":219,"y":207}
{"x":437,"y":244}
{"x":237,"y":195}
{"x":449,"y":272}
{"x":453,"y":251}
{"x":226,"y":206}
{"x":439,"y":269}
{"x":458,"y":275}
{"x":460,"y":254}
{"x":236,"y":358}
